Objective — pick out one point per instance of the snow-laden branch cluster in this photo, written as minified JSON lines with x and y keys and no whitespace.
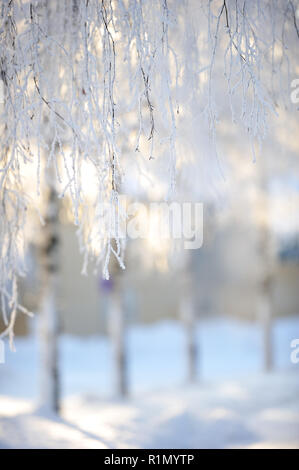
{"x":110,"y":84}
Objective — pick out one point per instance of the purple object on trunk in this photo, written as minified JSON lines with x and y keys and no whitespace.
{"x":106,"y":285}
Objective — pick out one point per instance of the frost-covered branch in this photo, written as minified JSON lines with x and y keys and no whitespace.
{"x":94,"y":86}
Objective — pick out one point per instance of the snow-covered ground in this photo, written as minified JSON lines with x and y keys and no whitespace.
{"x":232,"y":405}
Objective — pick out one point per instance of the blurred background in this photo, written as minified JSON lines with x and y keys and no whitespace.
{"x":182,"y":348}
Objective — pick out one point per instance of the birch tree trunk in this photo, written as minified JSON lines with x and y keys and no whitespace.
{"x":187,"y":314}
{"x":117,"y":333}
{"x":264,"y":304}
{"x":188,"y":317}
{"x":49,"y":324}
{"x":265,"y":285}
{"x":49,"y":319}
{"x":266,"y":323}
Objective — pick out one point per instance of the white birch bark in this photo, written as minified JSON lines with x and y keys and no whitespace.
{"x":49,"y":323}
{"x":116,"y":321}
{"x":188,"y":317}
{"x":264,"y":307}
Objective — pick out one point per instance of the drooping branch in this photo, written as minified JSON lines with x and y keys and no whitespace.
{"x":90,"y":82}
